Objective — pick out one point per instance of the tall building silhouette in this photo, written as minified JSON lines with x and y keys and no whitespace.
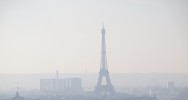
{"x":100,"y":87}
{"x":61,"y":85}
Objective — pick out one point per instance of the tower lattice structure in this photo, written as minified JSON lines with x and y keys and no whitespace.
{"x":108,"y":87}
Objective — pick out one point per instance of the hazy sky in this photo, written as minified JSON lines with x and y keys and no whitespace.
{"x":142,"y":36}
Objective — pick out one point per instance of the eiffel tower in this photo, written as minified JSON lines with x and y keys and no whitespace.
{"x":108,"y":87}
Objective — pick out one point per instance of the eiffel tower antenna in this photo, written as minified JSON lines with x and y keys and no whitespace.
{"x":108,"y":87}
{"x":103,"y":24}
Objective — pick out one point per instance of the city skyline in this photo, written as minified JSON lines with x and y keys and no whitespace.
{"x":142,"y":36}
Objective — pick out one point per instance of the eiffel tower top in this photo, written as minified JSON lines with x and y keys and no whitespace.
{"x":103,"y":29}
{"x":103,"y":51}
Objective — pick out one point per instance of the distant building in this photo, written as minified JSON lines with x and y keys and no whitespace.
{"x":170,"y":85}
{"x":75,"y":83}
{"x":63,"y":86}
{"x":45,"y":84}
